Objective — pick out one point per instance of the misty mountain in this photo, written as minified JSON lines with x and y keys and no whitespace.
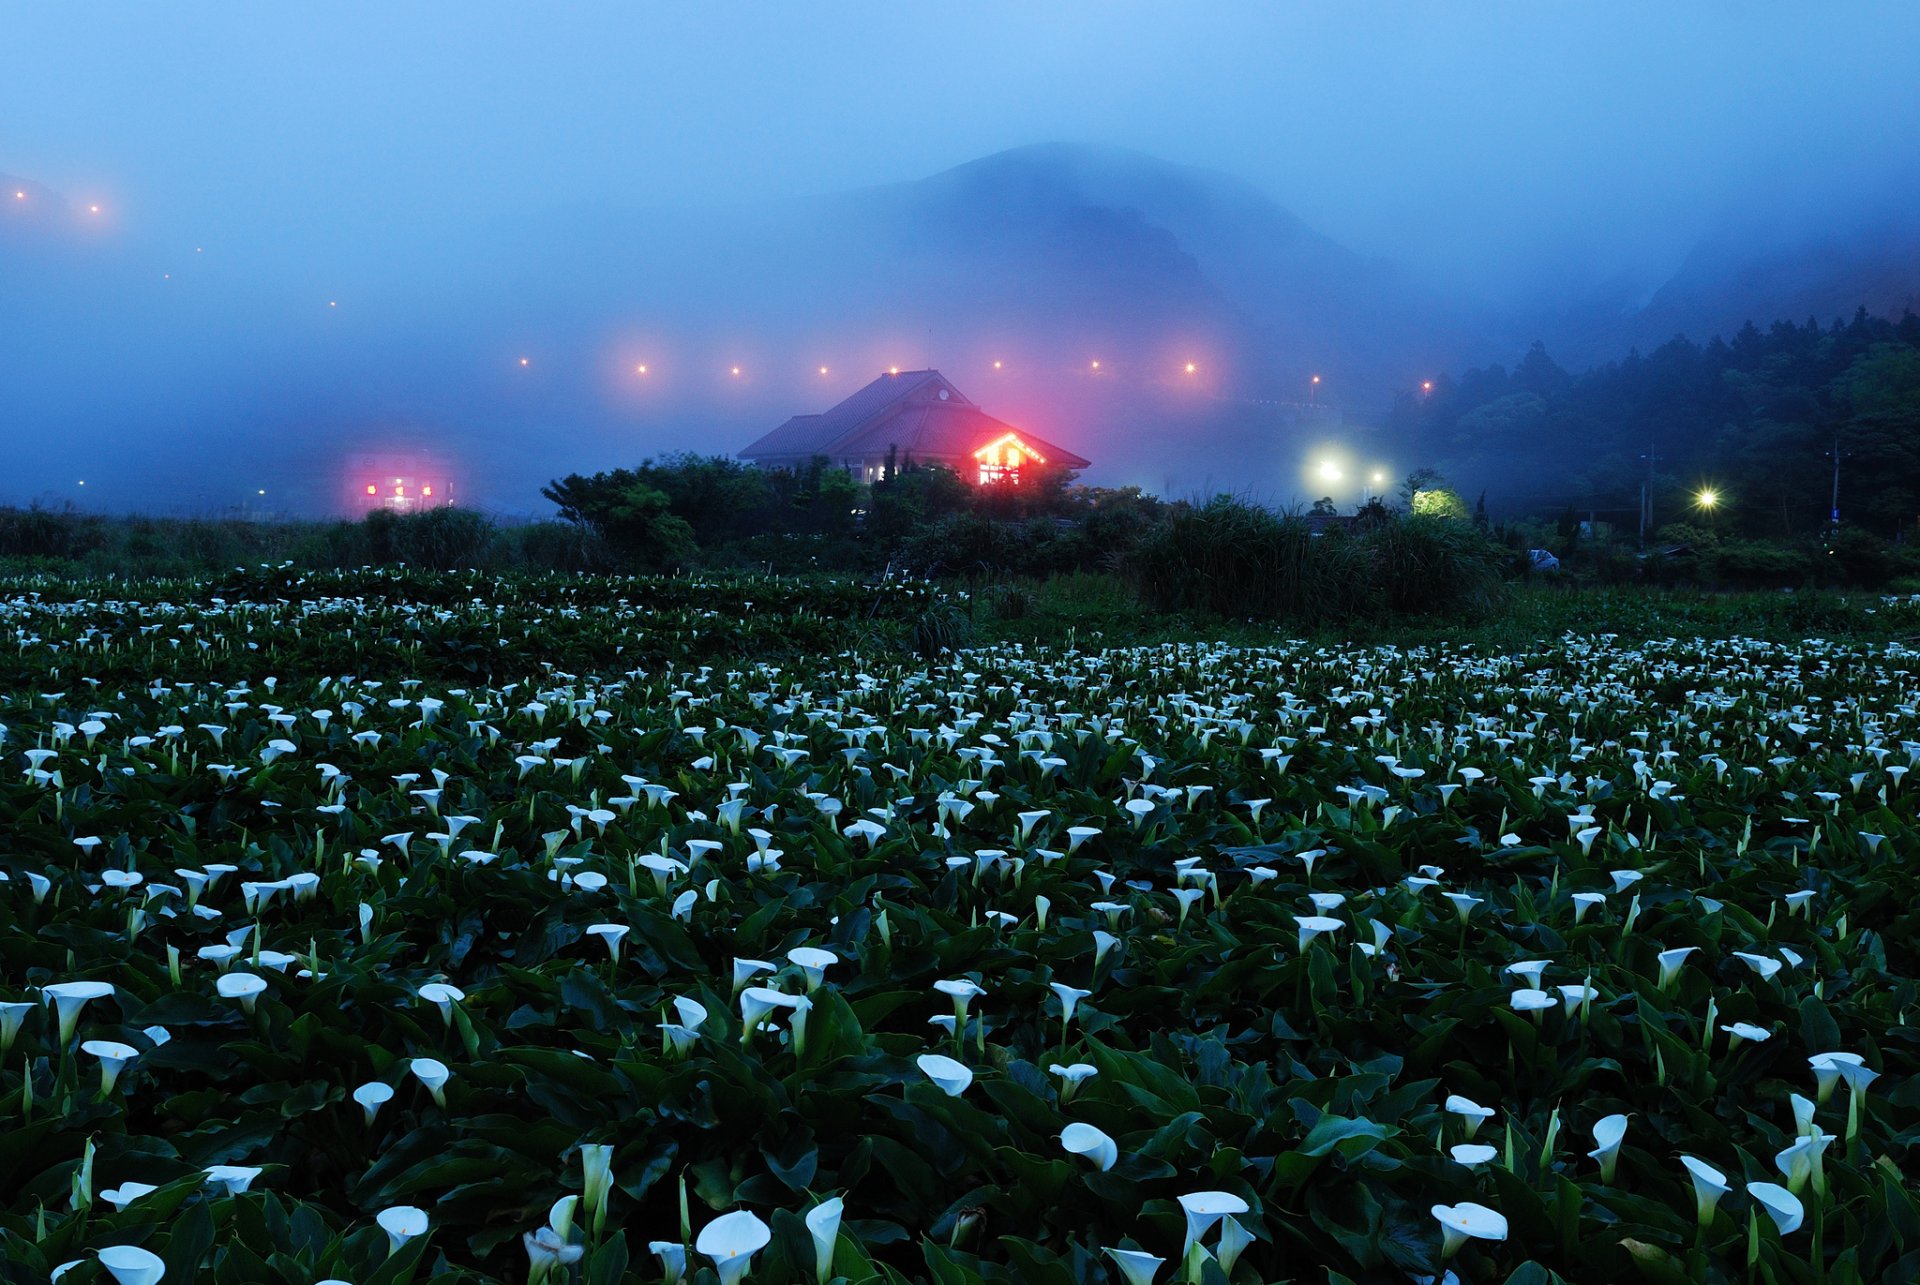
{"x":515,"y":348}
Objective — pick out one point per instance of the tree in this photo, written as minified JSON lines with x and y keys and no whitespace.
{"x":636,"y":520}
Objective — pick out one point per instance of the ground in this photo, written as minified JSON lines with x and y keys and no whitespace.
{"x":590,"y":926}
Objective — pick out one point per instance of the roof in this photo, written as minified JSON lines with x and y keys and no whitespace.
{"x":915,"y":413}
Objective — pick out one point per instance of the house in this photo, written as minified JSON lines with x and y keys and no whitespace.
{"x":911,"y":415}
{"x":398,"y":481}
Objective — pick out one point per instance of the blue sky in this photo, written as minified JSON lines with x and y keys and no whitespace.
{"x":1468,"y":132}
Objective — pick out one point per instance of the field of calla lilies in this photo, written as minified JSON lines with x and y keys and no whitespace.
{"x":382,"y":928}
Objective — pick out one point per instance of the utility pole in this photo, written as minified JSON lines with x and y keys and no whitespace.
{"x":1646,"y":495}
{"x":1834,"y":513}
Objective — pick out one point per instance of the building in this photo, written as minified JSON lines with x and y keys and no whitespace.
{"x":911,"y":416}
{"x":398,"y":481}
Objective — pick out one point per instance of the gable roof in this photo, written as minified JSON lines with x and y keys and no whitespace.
{"x":916,"y":413}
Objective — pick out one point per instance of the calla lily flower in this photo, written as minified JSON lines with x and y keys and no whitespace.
{"x":1670,"y":964}
{"x":596,"y":1165}
{"x":1071,"y":1077}
{"x":126,"y":1193}
{"x":1709,"y":1184}
{"x":823,"y":1224}
{"x":432,"y":1073}
{"x":1467,"y":1221}
{"x":962,"y":991}
{"x":113,"y":1056}
{"x":1070,"y":997}
{"x":1312,"y":926}
{"x":235,"y":1178}
{"x":1085,"y":1140}
{"x":1135,"y":1266}
{"x":731,"y":1241}
{"x":610,"y":935}
{"x":442,"y":997}
{"x":1608,"y":1132}
{"x":673,"y":1259}
{"x":1205,"y":1208}
{"x":68,"y":998}
{"x":1472,"y":1114}
{"x":1827,"y":1070}
{"x":1781,"y":1205}
{"x":245,"y":987}
{"x":1472,"y":1154}
{"x":1530,"y":969}
{"x":401,"y":1223}
{"x":131,"y":1265}
{"x":813,"y":963}
{"x":757,"y":1003}
{"x":12,"y":1014}
{"x":952,"y":1077}
{"x":1234,"y":1239}
{"x":744,"y":971}
{"x":372,"y":1096}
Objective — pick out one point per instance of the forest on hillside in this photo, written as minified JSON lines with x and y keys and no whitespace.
{"x":1754,"y":418}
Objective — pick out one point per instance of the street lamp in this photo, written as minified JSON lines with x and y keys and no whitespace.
{"x":1707,"y":498}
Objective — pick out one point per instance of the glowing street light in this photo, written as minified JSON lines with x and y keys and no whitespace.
{"x":1191,"y":368}
{"x":93,"y":209}
{"x":523,"y":361}
{"x":1707,"y":498}
{"x":823,"y":370}
{"x":736,"y":372}
{"x":1426,"y":385}
{"x":996,"y":365}
{"x":1379,"y":478}
{"x":19,"y":196}
{"x":640,"y":369}
{"x":1096,"y":365}
{"x":1329,"y":471}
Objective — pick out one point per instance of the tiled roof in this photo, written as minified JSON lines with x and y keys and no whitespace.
{"x":906,"y":413}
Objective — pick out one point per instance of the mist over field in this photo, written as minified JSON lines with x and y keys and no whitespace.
{"x":238,"y":246}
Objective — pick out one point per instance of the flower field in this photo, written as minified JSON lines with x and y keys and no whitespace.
{"x":380,"y":928}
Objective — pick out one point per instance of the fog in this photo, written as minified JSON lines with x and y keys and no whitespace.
{"x":237,"y":243}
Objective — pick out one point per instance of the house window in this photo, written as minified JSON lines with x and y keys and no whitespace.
{"x":1001,"y":460}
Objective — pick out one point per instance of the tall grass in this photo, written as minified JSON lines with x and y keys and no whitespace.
{"x":69,"y":541}
{"x":1239,"y":560}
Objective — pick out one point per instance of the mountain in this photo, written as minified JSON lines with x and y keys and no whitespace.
{"x":1723,"y":284}
{"x":1163,"y":320}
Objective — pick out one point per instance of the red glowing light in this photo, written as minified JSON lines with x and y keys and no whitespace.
{"x":372,"y":489}
{"x":427,"y":491}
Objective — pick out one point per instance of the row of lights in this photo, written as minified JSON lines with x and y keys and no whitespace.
{"x":20,"y":194}
{"x":1191,"y":368}
{"x":642,"y":368}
